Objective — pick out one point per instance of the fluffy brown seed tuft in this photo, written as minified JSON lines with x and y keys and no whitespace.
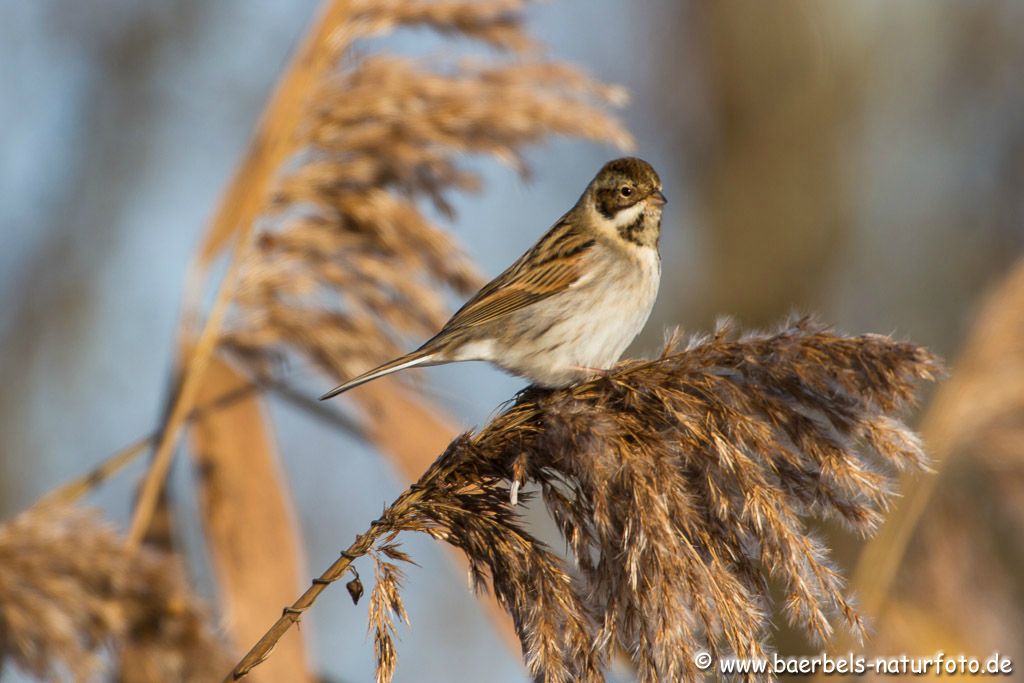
{"x":682,"y":487}
{"x":70,"y":589}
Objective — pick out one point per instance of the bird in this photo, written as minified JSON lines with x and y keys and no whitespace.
{"x":566,"y":310}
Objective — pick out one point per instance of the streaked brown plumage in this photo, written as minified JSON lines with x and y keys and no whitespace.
{"x":571,"y":304}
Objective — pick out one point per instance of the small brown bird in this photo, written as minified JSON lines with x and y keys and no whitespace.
{"x":570,"y":306}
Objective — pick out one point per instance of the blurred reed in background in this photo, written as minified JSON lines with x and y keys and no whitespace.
{"x":946,"y":574}
{"x":69,"y":588}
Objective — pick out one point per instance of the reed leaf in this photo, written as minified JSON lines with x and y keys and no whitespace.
{"x":249,"y":521}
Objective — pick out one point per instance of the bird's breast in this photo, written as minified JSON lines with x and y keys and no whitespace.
{"x":556,"y":341}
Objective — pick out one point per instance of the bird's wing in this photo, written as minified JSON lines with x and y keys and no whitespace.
{"x":553,"y":265}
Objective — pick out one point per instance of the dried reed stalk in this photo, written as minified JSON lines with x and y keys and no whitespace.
{"x":70,"y":588}
{"x":79,"y":487}
{"x":681,"y":486}
{"x":236,"y":216}
{"x":241,"y":489}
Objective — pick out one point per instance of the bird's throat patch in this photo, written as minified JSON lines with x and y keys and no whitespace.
{"x":636,"y":232}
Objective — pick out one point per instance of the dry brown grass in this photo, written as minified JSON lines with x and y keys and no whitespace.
{"x":681,"y":486}
{"x":70,"y":589}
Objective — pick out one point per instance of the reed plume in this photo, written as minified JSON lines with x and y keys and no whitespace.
{"x":71,"y":590}
{"x":682,"y":487}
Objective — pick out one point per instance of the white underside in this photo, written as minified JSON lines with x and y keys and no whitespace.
{"x":564,"y":338}
{"x":482,"y":349}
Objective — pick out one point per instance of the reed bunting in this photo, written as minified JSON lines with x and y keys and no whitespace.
{"x":569,"y":306}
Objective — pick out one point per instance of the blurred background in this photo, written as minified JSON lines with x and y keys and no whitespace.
{"x":863,"y":161}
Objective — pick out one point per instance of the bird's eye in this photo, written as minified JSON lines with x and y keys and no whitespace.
{"x":626,"y":190}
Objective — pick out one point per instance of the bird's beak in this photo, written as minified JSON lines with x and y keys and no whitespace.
{"x":658,"y":199}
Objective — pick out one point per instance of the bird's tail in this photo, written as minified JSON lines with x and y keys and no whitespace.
{"x":409,"y":360}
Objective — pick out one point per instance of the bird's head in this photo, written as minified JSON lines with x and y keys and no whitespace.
{"x":626,"y":196}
